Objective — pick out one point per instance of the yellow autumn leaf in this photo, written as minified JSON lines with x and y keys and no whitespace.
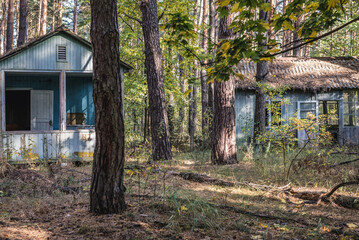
{"x":313,"y":34}
{"x":274,"y":50}
{"x":183,"y":208}
{"x":224,"y":3}
{"x":287,"y":25}
{"x":240,"y":76}
{"x":262,"y":225}
{"x":313,"y":6}
{"x":332,"y":3}
{"x":265,"y":25}
{"x":293,"y":17}
{"x":187,"y":92}
{"x":130,"y":172}
{"x":226,"y":46}
{"x":235,"y":8}
{"x":265,"y":59}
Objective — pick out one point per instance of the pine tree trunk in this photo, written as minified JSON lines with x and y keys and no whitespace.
{"x":43,"y":18}
{"x":2,"y":30}
{"x":211,"y":34}
{"x":204,"y":73}
{"x":53,"y":15}
{"x":182,"y":83}
{"x":17,"y":13}
{"x":192,"y":115}
{"x":224,"y":149}
{"x":75,"y":17}
{"x":10,"y":26}
{"x":171,"y":115}
{"x":60,"y":10}
{"x":262,"y":72}
{"x":161,"y":147}
{"x":22,"y":23}
{"x":107,"y":189}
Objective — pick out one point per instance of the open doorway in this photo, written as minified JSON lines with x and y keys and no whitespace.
{"x":17,"y":110}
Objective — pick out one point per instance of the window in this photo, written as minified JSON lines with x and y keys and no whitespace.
{"x":61,"y":53}
{"x":351,"y":108}
{"x":330,"y":109}
{"x":74,"y":119}
{"x":273,"y":113}
{"x":305,"y":108}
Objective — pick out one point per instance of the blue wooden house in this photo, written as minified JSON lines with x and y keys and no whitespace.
{"x":47,"y":110}
{"x":317,"y":85}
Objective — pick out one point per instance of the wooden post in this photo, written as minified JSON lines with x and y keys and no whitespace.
{"x":63,"y":101}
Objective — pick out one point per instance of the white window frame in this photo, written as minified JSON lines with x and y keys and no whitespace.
{"x":316,"y":108}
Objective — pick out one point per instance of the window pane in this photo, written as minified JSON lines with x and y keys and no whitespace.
{"x":304,"y":113}
{"x":307,"y":106}
{"x":349,"y":120}
{"x":349,"y":108}
{"x":349,"y":96}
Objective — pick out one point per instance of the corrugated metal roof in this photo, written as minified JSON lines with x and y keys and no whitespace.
{"x":305,"y":73}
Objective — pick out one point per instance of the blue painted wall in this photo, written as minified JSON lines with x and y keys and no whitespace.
{"x":79,"y":97}
{"x":38,"y":82}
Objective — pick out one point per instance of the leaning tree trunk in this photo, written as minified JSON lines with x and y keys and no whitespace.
{"x":161,"y":147}
{"x":107,"y":189}
{"x":261,"y":75}
{"x":22,"y":23}
{"x":224,"y":149}
{"x":10,"y":26}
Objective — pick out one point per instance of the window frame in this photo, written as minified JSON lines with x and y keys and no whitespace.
{"x":57,"y":53}
{"x":355,"y":102}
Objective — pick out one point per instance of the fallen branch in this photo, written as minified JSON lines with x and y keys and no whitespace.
{"x":336,"y":187}
{"x":195,"y":177}
{"x":343,"y":163}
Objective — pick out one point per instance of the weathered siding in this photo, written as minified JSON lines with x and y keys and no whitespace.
{"x":49,"y":145}
{"x":43,"y":56}
{"x":79,"y":97}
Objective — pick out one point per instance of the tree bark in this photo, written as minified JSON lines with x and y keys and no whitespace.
{"x":75,"y":17}
{"x":17,"y":13}
{"x":192,"y":115}
{"x":10,"y":26}
{"x":161,"y":146}
{"x":212,"y":35}
{"x":204,"y":73}
{"x":107,"y":189}
{"x":171,"y":115}
{"x":22,"y":38}
{"x":43,"y":18}
{"x":224,"y":149}
{"x":53,"y":15}
{"x":182,"y":83}
{"x":60,"y":9}
{"x":261,"y":75}
{"x":2,"y":28}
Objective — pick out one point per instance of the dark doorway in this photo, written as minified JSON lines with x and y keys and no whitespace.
{"x":17,"y":110}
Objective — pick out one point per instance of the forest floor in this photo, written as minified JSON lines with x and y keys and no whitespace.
{"x":52,"y":202}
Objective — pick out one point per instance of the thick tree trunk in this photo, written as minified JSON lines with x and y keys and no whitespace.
{"x":161,"y":146}
{"x":182,"y":83}
{"x":23,"y":23}
{"x":10,"y":26}
{"x":224,"y":149}
{"x":43,"y":18}
{"x":192,"y":115}
{"x":75,"y":17}
{"x":204,"y":72}
{"x":261,"y":75}
{"x":297,"y":52}
{"x":107,"y":189}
